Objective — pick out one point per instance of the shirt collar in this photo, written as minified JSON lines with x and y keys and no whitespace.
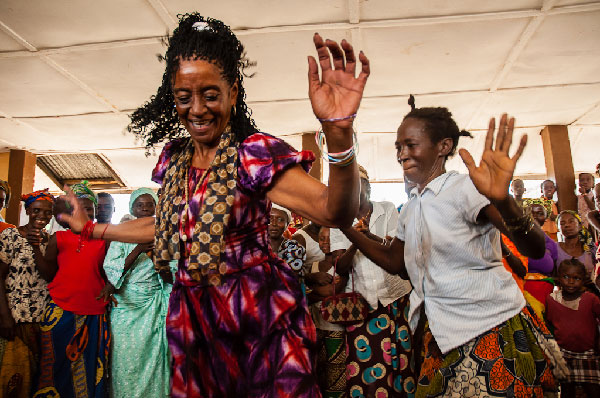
{"x":378,"y":211}
{"x":435,"y":185}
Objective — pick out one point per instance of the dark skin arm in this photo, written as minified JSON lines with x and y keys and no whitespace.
{"x":594,"y":219}
{"x":344,"y":259}
{"x":513,"y":262}
{"x":531,"y":244}
{"x":45,"y":264}
{"x":7,"y":322}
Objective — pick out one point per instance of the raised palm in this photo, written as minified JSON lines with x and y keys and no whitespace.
{"x":338,"y":92}
{"x":495,"y":171}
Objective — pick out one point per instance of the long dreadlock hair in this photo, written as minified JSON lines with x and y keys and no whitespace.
{"x":202,"y":38}
{"x":439,"y":124}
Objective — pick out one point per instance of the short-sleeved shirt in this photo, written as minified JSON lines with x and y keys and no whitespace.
{"x":546,"y":264}
{"x":371,"y":281}
{"x":454,"y":262}
{"x":26,"y":290}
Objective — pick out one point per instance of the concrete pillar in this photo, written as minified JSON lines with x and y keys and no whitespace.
{"x":559,"y":164}
{"x":21,"y":172}
{"x":309,"y":144}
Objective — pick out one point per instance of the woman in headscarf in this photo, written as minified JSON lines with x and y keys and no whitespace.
{"x":140,"y":353}
{"x":577,"y":243}
{"x":75,"y":336}
{"x":238,"y":324}
{"x":4,"y":198}
{"x":23,"y":296}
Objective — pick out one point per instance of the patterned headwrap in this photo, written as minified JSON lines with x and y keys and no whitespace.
{"x":206,"y":262}
{"x":545,"y":203}
{"x":83,"y":191}
{"x":139,"y":192}
{"x":37,"y":195}
{"x":584,"y":235}
{"x":6,"y":188}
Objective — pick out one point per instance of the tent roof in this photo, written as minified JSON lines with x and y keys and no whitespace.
{"x":71,"y":72}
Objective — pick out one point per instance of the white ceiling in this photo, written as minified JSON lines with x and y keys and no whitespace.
{"x":72,"y":71}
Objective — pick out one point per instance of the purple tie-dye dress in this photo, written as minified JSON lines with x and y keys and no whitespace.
{"x":253,"y":335}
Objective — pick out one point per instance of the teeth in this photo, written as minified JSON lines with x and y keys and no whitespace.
{"x":202,"y":123}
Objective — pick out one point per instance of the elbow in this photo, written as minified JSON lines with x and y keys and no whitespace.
{"x":343,"y":218}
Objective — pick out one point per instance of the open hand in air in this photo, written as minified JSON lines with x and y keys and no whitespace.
{"x":338,"y":91}
{"x":495,"y":171}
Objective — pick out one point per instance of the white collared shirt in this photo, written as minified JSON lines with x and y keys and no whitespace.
{"x":454,"y":263}
{"x":371,"y":281}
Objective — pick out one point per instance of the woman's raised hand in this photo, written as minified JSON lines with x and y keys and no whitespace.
{"x":495,"y":171}
{"x":78,"y":217}
{"x":338,"y":92}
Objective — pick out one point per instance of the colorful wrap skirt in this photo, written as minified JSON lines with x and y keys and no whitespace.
{"x":516,"y":359}
{"x":380,"y":357}
{"x":74,"y":354}
{"x":331,"y":363}
{"x":19,"y":360}
{"x":584,"y":367}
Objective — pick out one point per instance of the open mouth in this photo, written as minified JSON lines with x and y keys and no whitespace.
{"x":200,"y":125}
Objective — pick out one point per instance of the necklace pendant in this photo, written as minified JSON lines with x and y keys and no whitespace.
{"x":184,"y":238}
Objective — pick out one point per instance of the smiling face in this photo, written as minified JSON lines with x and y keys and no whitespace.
{"x":569,"y":225}
{"x":40,"y":213}
{"x":144,"y":206}
{"x":324,"y":243}
{"x":422,"y":160}
{"x":203,"y":99}
{"x":518,"y":187}
{"x":548,"y":189}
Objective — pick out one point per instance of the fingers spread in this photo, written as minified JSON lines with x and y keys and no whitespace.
{"x":489,"y":137}
{"x":510,"y":126}
{"x":366,"y":68}
{"x":313,"y":73}
{"x":337,"y":54}
{"x":322,"y":52}
{"x":467,"y":159}
{"x":522,"y":145}
{"x":350,"y":58}
{"x":501,"y":133}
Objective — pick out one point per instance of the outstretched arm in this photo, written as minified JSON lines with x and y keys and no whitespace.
{"x":140,"y":230}
{"x":335,"y":98}
{"x":492,"y":179}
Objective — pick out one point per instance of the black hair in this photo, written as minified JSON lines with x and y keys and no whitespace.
{"x":202,"y":38}
{"x":438,"y":123}
{"x":585,"y":173}
{"x":106,"y":195}
{"x":545,"y":181}
{"x":573,"y":262}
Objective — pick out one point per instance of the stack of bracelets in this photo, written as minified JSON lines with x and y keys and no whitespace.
{"x":520,"y":225}
{"x":343,"y":158}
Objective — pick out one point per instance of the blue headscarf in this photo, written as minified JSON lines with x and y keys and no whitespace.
{"x":139,"y":192}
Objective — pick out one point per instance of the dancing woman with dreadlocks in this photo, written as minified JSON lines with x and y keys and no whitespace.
{"x":238,"y":324}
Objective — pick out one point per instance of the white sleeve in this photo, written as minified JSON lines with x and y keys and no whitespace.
{"x":400,"y":230}
{"x":471,"y":201}
{"x":392,"y":221}
{"x":337,"y":240}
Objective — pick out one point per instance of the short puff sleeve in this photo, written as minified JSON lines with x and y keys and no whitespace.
{"x":262,"y":156}
{"x":163,"y":160}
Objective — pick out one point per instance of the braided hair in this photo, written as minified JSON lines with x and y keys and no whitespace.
{"x":196,"y":38}
{"x":438,"y":123}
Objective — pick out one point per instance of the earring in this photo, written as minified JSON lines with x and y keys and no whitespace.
{"x":233,"y":110}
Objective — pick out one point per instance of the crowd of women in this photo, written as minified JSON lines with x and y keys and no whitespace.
{"x":213,"y":297}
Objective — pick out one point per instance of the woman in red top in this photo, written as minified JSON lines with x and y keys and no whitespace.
{"x":75,"y":336}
